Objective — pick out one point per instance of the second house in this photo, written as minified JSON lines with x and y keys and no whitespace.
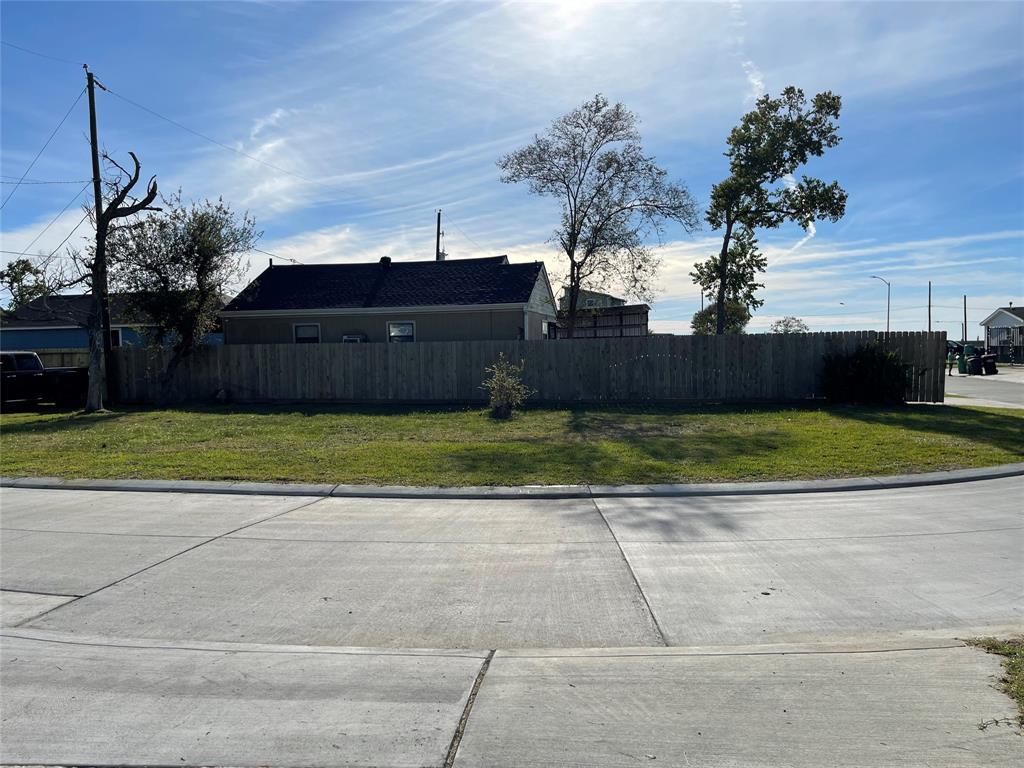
{"x":393,"y":302}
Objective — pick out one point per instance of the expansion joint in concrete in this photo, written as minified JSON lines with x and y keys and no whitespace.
{"x":453,"y":748}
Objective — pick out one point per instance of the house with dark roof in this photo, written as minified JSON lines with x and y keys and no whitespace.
{"x":1004,"y":332}
{"x":61,"y":322}
{"x":393,"y":302}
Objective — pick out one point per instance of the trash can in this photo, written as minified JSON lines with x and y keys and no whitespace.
{"x":988,"y":363}
{"x":974,"y":366}
{"x":961,"y":364}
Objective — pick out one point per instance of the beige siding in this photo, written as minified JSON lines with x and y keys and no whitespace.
{"x":484,"y":325}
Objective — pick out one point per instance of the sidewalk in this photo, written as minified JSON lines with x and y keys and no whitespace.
{"x":192,"y":704}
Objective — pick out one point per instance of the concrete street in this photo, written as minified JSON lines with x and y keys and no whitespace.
{"x":807,"y":629}
{"x":1004,"y":390}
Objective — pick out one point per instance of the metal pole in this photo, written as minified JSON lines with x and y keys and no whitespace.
{"x":929,"y":306}
{"x":965,"y":318}
{"x":888,"y":293}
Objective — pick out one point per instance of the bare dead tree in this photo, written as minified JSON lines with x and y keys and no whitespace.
{"x":122,"y":205}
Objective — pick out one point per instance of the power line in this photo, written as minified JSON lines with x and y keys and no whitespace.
{"x":474,"y":242}
{"x":221,"y":144}
{"x":61,"y":244}
{"x":43,"y":55}
{"x":14,"y":179}
{"x":276,"y":256}
{"x":40,"y":152}
{"x":53,"y":254}
{"x":54,"y":219}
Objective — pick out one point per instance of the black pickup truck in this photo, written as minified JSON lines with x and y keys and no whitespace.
{"x":24,"y":379}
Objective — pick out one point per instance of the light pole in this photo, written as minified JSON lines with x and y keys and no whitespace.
{"x":888,"y":294}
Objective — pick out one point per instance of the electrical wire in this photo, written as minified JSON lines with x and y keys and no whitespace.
{"x":470,"y":239}
{"x":221,"y":144}
{"x":277,"y":256}
{"x":43,"y":55}
{"x":14,"y":179}
{"x":54,"y":219}
{"x":40,"y":152}
{"x":68,"y":237}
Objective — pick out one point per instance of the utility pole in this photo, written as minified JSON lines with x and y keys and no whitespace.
{"x":929,"y":306}
{"x":99,"y":270}
{"x":438,"y":255}
{"x":99,"y":349}
{"x":888,"y":296}
{"x":965,"y":318}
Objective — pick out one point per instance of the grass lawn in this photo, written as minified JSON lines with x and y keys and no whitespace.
{"x":464,"y":446}
{"x":1012,"y":684}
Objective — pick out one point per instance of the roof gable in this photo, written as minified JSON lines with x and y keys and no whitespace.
{"x":389,"y":284}
{"x":1014,"y":314}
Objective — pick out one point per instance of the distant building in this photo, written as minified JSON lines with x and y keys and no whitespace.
{"x":601,"y":315}
{"x":1004,"y":332}
{"x":589,"y":300}
{"x":61,"y":321}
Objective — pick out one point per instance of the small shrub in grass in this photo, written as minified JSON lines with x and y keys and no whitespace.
{"x":870,"y":374}
{"x":505,"y":386}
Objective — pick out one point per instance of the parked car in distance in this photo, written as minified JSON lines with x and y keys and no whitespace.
{"x":24,"y":379}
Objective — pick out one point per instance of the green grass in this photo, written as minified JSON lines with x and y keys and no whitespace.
{"x":462,"y":446}
{"x":1012,"y":683}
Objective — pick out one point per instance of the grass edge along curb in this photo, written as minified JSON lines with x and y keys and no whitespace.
{"x":1012,"y":682}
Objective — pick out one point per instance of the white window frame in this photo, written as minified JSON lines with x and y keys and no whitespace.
{"x":319,"y":335}
{"x":387,"y":330}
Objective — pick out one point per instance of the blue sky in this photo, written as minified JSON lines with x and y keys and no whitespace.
{"x":384,"y":112}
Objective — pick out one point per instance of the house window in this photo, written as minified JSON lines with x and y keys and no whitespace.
{"x":115,"y":337}
{"x":401,"y":332}
{"x":307,"y":334}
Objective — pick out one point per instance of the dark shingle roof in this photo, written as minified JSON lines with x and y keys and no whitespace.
{"x":396,"y":284}
{"x":67,"y":309}
{"x":1018,"y":311}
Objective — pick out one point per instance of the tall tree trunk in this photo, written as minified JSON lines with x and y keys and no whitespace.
{"x":97,"y":361}
{"x":574,"y":298}
{"x":723,"y":271}
{"x":99,"y":323}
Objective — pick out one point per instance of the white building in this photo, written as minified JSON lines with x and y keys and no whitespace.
{"x":1004,"y":332}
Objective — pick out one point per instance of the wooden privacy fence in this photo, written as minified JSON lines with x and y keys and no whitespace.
{"x":64,"y":358}
{"x":745,"y":368}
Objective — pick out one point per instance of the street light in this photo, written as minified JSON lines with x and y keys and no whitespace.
{"x":888,"y":293}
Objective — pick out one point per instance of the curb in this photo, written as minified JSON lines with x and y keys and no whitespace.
{"x":521,"y":492}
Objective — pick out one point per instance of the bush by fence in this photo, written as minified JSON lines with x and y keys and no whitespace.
{"x":745,"y":368}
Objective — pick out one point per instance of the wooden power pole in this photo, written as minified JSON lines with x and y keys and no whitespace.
{"x":99,"y":349}
{"x":101,"y":297}
{"x":438,"y":255}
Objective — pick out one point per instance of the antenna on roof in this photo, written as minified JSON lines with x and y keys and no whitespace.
{"x":438,"y":253}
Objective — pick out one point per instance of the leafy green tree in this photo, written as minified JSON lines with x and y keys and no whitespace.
{"x":746,"y":262}
{"x":178,"y":265}
{"x":789,"y":324}
{"x":24,"y":280}
{"x":736,"y":318}
{"x":771,"y":142}
{"x":613,"y":197}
